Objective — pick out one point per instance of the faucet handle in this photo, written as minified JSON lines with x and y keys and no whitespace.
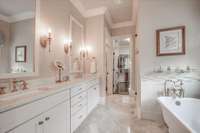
{"x":2,"y":90}
{"x":24,"y":83}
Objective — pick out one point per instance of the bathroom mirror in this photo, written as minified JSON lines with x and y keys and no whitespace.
{"x":18,"y":38}
{"x":77,"y":39}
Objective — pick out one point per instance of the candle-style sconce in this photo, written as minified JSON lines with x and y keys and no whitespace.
{"x":46,"y":40}
{"x":68,"y":47}
{"x":83,"y":52}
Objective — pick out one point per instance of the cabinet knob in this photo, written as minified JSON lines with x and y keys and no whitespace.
{"x":47,"y":118}
{"x":40,"y":122}
{"x":95,"y":88}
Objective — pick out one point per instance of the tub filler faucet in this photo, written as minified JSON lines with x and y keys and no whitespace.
{"x":173,"y":88}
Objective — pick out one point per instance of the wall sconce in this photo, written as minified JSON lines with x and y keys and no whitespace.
{"x":84,"y":52}
{"x":46,"y":40}
{"x":67,"y":46}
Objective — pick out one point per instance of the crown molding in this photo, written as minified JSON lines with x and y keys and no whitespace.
{"x":22,"y":16}
{"x":108,"y":18}
{"x":99,"y":11}
{"x":122,"y":24}
{"x":4,"y":18}
{"x":79,"y":6}
{"x":96,"y":11}
{"x":17,"y":17}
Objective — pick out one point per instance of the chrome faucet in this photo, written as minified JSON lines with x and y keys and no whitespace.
{"x":166,"y":89}
{"x":175,"y":90}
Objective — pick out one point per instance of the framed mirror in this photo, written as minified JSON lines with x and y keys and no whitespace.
{"x":18,"y":38}
{"x":77,"y":44}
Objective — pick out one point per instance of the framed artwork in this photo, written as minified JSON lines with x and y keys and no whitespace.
{"x":20,"y":53}
{"x":170,"y":41}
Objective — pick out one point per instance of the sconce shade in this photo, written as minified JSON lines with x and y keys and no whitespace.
{"x":46,"y":40}
{"x":67,"y":47}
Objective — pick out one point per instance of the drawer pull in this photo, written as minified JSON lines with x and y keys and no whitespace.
{"x":47,"y":118}
{"x":40,"y":122}
{"x":80,"y":97}
{"x":95,"y":88}
{"x":80,"y":105}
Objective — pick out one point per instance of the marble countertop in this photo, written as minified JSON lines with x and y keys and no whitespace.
{"x":166,"y":76}
{"x":25,"y":97}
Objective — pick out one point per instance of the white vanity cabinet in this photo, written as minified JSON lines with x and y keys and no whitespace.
{"x":31,"y":126}
{"x":50,"y":110}
{"x":78,"y":102}
{"x":93,"y":97}
{"x":83,"y":100}
{"x":59,"y":112}
{"x":53,"y":121}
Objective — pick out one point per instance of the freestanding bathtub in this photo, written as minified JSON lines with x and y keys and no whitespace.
{"x":182,"y":115}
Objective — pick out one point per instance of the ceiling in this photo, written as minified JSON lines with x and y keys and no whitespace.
{"x":12,"y":7}
{"x":120,"y":10}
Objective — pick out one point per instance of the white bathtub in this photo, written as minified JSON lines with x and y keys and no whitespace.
{"x":183,"y":118}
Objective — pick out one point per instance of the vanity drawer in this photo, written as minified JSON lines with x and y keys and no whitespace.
{"x":78,"y":119}
{"x":77,"y":90}
{"x":77,"y":107}
{"x":90,"y":83}
{"x":78,"y":98}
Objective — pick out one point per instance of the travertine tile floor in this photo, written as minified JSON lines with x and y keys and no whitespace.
{"x":117,"y":116}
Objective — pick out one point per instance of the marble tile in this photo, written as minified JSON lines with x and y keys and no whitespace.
{"x":117,"y":115}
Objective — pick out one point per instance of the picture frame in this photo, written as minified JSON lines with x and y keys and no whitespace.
{"x":20,"y":53}
{"x":170,"y":41}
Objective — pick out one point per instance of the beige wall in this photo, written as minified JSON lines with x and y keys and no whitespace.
{"x":95,"y":40}
{"x":5,"y":50}
{"x":56,"y":14}
{"x":156,"y":14}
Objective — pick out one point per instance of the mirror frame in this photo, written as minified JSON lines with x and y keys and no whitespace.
{"x":35,"y":51}
{"x":73,"y":19}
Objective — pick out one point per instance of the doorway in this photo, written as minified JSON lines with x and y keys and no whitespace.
{"x":122,"y":65}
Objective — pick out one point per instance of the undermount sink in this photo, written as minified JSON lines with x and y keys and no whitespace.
{"x":19,"y":94}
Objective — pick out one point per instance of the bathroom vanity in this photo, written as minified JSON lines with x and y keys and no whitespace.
{"x":49,"y":108}
{"x":58,"y":108}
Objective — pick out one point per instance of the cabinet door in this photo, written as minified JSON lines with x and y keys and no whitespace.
{"x":93,"y":97}
{"x":96,"y":94}
{"x":56,"y":119}
{"x":90,"y":100}
{"x":32,"y":126}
